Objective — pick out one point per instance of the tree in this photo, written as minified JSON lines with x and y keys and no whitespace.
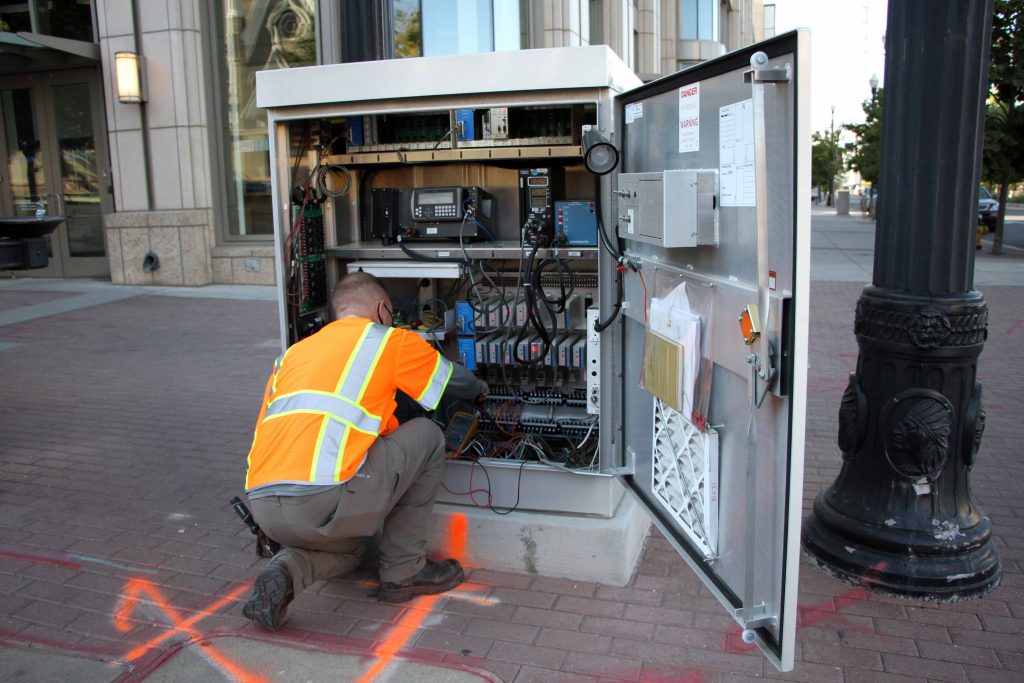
{"x":408,"y":30}
{"x":867,"y":151}
{"x":1003,"y":160}
{"x":826,"y":159}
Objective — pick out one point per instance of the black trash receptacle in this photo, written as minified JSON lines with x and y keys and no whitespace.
{"x":23,"y":254}
{"x":35,"y":252}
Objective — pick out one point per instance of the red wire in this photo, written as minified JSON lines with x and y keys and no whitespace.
{"x":472,"y":491}
{"x":465,"y":493}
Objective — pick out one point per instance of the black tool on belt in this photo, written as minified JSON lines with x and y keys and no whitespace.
{"x":265,"y":546}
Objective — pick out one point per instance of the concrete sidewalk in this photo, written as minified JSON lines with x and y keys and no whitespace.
{"x":125,"y":416}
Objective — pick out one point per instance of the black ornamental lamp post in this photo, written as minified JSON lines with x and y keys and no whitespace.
{"x":900,"y":517}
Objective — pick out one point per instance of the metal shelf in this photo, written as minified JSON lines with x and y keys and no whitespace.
{"x":478,"y":250}
{"x":460,"y":154}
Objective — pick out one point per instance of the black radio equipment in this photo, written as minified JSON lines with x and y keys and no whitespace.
{"x":432,"y":213}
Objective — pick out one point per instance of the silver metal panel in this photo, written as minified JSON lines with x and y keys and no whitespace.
{"x":761,"y":448}
{"x":405,"y":269}
{"x":707,"y":207}
{"x":669,"y":209}
{"x":437,"y":103}
{"x":499,"y":249}
{"x":497,"y":72}
{"x":278,"y":140}
{"x":586,"y":76}
{"x":537,"y":487}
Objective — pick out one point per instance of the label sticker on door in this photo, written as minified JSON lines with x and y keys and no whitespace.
{"x":689,"y":118}
{"x":736,"y":154}
{"x":634,"y":111}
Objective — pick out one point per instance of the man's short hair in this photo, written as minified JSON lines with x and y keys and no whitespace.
{"x":357,"y":289}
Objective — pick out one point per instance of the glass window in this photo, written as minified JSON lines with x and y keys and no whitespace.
{"x":25,"y":170}
{"x":62,"y":18}
{"x":15,"y":16}
{"x":258,"y":35}
{"x":408,"y":29}
{"x":769,"y":21}
{"x":66,"y":19}
{"x":688,"y":19}
{"x":79,"y":170}
{"x":455,"y":27}
{"x":698,"y":19}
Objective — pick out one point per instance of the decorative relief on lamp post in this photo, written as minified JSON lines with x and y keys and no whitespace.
{"x":974,"y":427}
{"x":853,"y":418}
{"x":927,"y":328}
{"x":916,"y":425}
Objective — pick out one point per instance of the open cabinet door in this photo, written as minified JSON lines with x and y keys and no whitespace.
{"x":703,"y":371}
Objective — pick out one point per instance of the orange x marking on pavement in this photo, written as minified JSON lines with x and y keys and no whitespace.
{"x":135,"y":589}
{"x":421,"y":607}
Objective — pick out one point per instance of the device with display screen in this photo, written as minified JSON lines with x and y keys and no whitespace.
{"x":460,"y":432}
{"x":451,"y":212}
{"x":538,"y":190}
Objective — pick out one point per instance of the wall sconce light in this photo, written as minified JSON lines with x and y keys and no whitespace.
{"x":129,"y":77}
{"x":599,"y":155}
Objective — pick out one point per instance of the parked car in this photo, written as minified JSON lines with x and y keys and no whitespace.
{"x":988,"y":208}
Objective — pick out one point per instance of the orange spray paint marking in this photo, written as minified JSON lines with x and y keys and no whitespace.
{"x":414,"y":616}
{"x":399,"y":635}
{"x":133,"y":596}
{"x":458,"y":532}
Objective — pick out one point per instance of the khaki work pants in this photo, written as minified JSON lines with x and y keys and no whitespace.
{"x":393,"y":493}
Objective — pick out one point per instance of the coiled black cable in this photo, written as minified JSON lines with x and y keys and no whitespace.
{"x":533,"y":314}
{"x":616,"y":253}
{"x":562,"y":269}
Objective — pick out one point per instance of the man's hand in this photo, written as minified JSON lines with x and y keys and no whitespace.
{"x":483,"y":392}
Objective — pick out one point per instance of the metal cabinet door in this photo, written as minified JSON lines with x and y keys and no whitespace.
{"x":718,"y":154}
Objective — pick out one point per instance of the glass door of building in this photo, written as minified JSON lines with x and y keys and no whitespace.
{"x":53,"y":146}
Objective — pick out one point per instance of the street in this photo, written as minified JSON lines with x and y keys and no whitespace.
{"x":1014,"y":227}
{"x":842,"y":250}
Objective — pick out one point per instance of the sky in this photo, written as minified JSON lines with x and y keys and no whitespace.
{"x":846,"y":49}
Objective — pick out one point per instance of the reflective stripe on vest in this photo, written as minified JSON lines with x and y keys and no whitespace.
{"x":431,"y":396}
{"x":341,"y":411}
{"x":277,"y":367}
{"x":330,"y":405}
{"x":353,"y":384}
{"x":331,"y":446}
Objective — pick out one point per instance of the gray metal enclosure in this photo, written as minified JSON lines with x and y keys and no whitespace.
{"x":751,"y":136}
{"x":713,"y":161}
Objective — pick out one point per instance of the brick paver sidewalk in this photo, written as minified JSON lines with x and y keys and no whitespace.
{"x":123,"y":430}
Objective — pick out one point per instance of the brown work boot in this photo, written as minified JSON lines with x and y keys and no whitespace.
{"x":271,"y":594}
{"x":435,"y":577}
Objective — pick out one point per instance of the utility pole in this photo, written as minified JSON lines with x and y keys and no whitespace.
{"x":900,"y":517}
{"x":833,"y":154}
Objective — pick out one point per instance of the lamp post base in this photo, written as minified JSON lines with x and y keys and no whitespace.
{"x":900,"y":517}
{"x":947,"y":565}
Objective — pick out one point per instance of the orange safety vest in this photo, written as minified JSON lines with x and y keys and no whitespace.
{"x":332,"y":394}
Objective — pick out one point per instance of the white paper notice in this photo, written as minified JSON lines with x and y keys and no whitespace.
{"x":736,"y":154}
{"x":689,"y":118}
{"x":634,"y":111}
